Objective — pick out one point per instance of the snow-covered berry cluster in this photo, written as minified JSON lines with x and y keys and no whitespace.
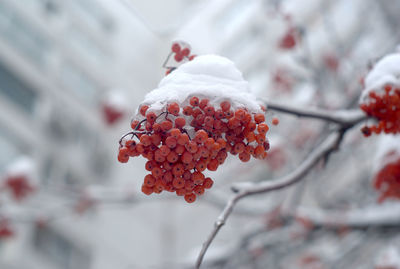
{"x":381,"y":97}
{"x":197,"y":116}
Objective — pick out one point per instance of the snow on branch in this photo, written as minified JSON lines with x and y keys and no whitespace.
{"x":342,"y":117}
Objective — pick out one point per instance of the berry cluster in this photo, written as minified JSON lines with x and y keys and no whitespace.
{"x":181,"y":52}
{"x":19,"y":186}
{"x":111,"y":114}
{"x":387,"y":181}
{"x":182,"y":141}
{"x":385,"y":108}
{"x":289,"y":40}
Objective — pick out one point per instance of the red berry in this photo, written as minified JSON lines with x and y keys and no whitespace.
{"x":170,"y":142}
{"x":173,"y":108}
{"x":190,"y":198}
{"x":149,"y":181}
{"x":151,"y":117}
{"x":178,"y":57}
{"x":275,"y":121}
{"x":208,"y":182}
{"x":143,"y":110}
{"x":262,"y":128}
{"x":194,"y":101}
{"x":203,"y":103}
{"x":225,"y":106}
{"x":166,"y":125}
{"x":176,"y":47}
{"x":186,"y":52}
{"x":180,"y":122}
{"x":259,"y":118}
{"x":178,"y":182}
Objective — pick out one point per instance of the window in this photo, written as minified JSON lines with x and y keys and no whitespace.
{"x":96,"y":14}
{"x":78,"y":82}
{"x":11,"y":148}
{"x":60,"y":250}
{"x":22,"y":35}
{"x":16,"y":90}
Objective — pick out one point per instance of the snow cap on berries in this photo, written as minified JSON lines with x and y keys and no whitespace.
{"x":23,"y":166}
{"x":211,"y":76}
{"x":385,"y":72}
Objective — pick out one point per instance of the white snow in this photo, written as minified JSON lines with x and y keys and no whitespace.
{"x":23,"y":166}
{"x":116,"y":99}
{"x":211,"y":76}
{"x":388,"y":258}
{"x":386,"y":71}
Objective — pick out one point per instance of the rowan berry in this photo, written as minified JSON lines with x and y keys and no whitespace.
{"x":135,"y":124}
{"x":201,"y":165}
{"x":239,"y":147}
{"x":180,"y":122}
{"x":173,"y":108}
{"x":262,"y":128}
{"x":187,"y":157}
{"x":208,"y":182}
{"x":143,"y":110}
{"x":275,"y":121}
{"x":151,"y":117}
{"x":178,"y":57}
{"x":259,"y":118}
{"x":190,"y":198}
{"x":145,"y":140}
{"x":170,"y":142}
{"x":176,"y":47}
{"x":149,"y":180}
{"x":198,"y":177}
{"x":147,"y":190}
{"x":183,"y":139}
{"x":178,"y":169}
{"x":187,"y":111}
{"x":209,"y":110}
{"x":213,"y":165}
{"x":244,"y":156}
{"x":194,"y":101}
{"x":200,"y":136}
{"x":198,"y":190}
{"x":178,"y":182}
{"x":157,"y":172}
{"x":225,"y":106}
{"x":260,"y":138}
{"x":189,"y":185}
{"x":179,"y":149}
{"x":186,"y":52}
{"x":191,"y":147}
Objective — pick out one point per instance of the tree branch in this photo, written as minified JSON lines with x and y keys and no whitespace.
{"x":342,"y":117}
{"x":330,"y":144}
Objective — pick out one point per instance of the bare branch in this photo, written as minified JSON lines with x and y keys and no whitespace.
{"x":330,"y":144}
{"x":342,"y":117}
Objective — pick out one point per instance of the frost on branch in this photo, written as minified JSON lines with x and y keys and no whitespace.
{"x":381,"y":96}
{"x":199,"y":113}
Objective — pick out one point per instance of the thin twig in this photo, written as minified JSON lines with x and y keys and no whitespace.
{"x":342,"y":117}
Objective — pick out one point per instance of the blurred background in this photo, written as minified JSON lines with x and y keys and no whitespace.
{"x":72,"y":73}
